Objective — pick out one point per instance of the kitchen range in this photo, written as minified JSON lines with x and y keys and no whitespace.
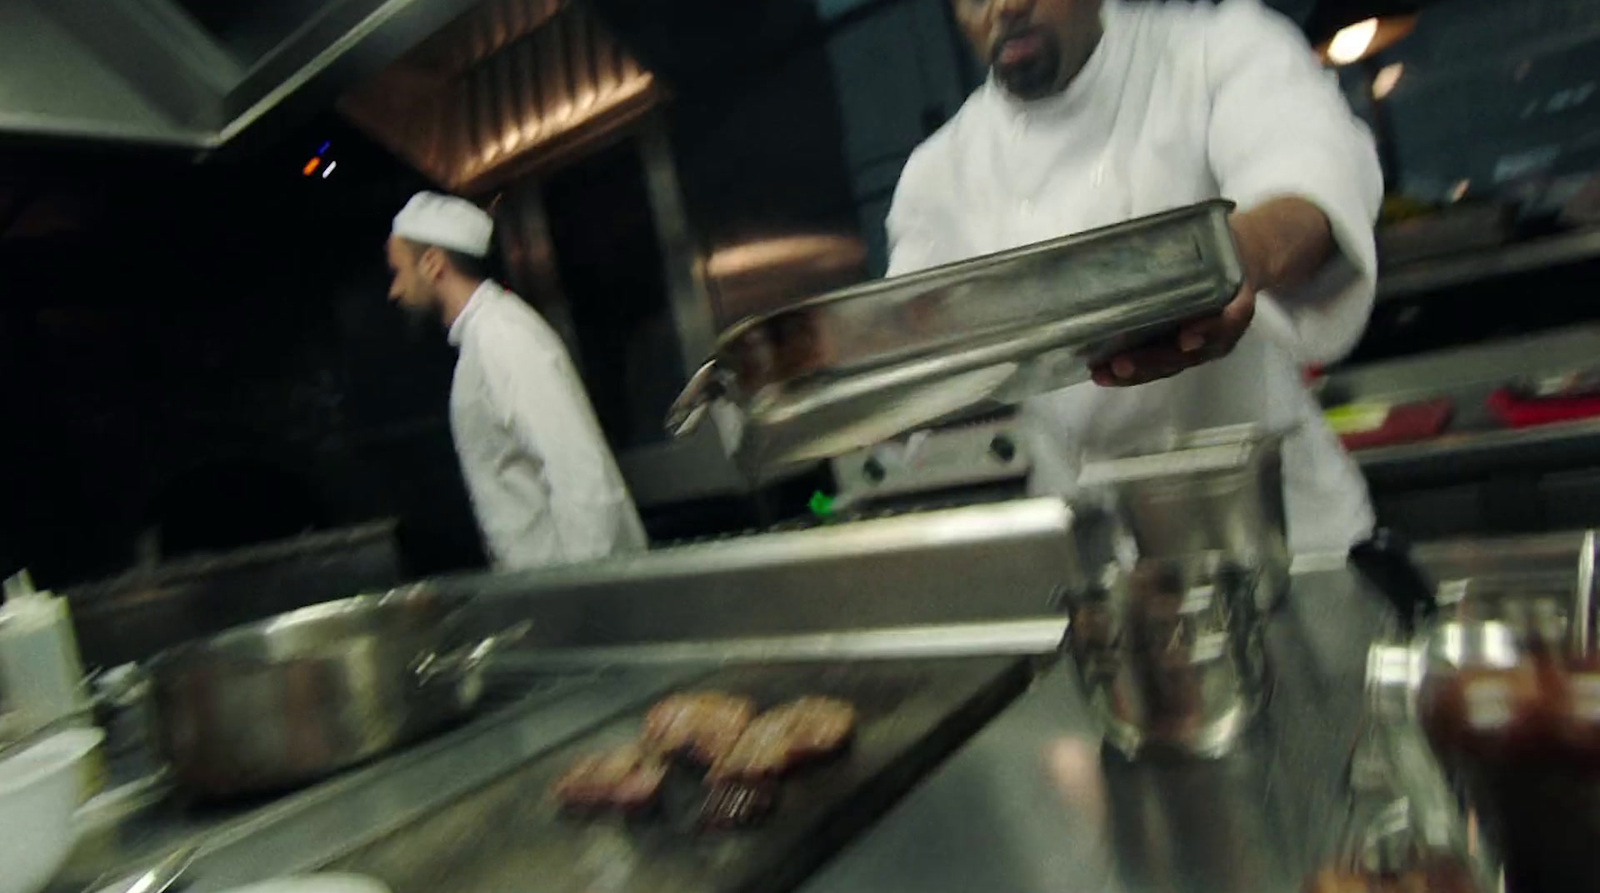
{"x":991,"y":745}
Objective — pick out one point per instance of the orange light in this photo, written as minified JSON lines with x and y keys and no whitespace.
{"x":311,"y":167}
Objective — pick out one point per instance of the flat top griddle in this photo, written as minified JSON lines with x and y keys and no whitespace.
{"x":510,"y":836}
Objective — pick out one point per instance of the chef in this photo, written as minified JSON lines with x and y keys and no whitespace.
{"x":1099,"y":111}
{"x":543,"y":483}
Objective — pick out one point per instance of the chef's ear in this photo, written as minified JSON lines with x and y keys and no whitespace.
{"x":431,"y":263}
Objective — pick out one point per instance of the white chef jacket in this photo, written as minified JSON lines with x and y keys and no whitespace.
{"x":1179,"y":103}
{"x":543,"y":483}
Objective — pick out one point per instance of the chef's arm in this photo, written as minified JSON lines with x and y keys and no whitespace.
{"x":1282,"y":134}
{"x":1283,"y":243}
{"x":1283,"y":144}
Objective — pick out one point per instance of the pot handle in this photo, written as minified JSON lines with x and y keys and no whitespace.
{"x":431,"y":665}
{"x":692,"y":403}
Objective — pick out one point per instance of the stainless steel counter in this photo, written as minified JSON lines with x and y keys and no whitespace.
{"x":1030,"y":804}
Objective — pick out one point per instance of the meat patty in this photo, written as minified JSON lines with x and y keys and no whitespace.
{"x":703,"y":725}
{"x":738,"y":804}
{"x":628,"y":778}
{"x":787,"y":736}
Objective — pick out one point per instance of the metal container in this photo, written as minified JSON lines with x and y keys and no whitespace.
{"x":1171,"y":655}
{"x":855,"y":367}
{"x":1219,"y":490}
{"x":289,"y":699}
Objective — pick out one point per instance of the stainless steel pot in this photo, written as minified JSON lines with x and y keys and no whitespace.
{"x":286,"y":700}
{"x":1171,"y":654}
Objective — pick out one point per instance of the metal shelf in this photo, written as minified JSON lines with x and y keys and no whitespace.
{"x":1433,"y":275}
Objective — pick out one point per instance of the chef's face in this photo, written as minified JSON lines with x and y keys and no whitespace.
{"x":412,"y":287}
{"x":1035,"y":47}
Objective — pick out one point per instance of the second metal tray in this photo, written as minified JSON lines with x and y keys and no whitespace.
{"x":854,"y":367}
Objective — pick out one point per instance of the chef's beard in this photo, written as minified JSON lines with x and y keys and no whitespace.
{"x":1035,"y":77}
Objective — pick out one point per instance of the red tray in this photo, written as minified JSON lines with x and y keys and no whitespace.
{"x":1521,"y":412}
{"x":1406,"y":423}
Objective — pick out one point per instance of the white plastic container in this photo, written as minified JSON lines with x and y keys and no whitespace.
{"x":41,"y":672}
{"x":40,"y":789}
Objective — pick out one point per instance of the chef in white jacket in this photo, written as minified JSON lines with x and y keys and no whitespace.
{"x":1099,"y":111}
{"x":543,"y":483}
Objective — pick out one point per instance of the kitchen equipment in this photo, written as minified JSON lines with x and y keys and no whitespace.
{"x":285,"y":700}
{"x":137,"y":614}
{"x":1170,"y":654}
{"x":40,"y":671}
{"x":987,"y":453}
{"x":856,"y":367}
{"x":159,"y":877}
{"x":1504,"y":687}
{"x":1037,"y":637}
{"x":40,"y":788}
{"x":329,"y":882}
{"x":911,"y":715}
{"x":1216,"y":490}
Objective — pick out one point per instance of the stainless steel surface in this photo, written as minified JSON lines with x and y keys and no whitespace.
{"x":1217,"y":490}
{"x":965,"y":454}
{"x":141,"y":612}
{"x":1479,"y":478}
{"x":510,"y":86}
{"x":145,"y":71}
{"x":289,"y":699}
{"x":1582,"y":627}
{"x":693,"y":317}
{"x":1170,"y":655}
{"x":502,"y":837}
{"x":1456,"y":456}
{"x":158,"y":877}
{"x":858,"y":366}
{"x":1030,"y":804}
{"x":1437,"y":275}
{"x":306,"y":830}
{"x":1033,"y":805}
{"x":1043,"y":636}
{"x":997,"y":561}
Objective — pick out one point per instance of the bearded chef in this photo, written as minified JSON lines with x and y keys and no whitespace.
{"x":1099,"y":111}
{"x":543,"y":483}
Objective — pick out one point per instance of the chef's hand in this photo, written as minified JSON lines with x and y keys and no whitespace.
{"x":1282,"y":243}
{"x":1200,"y":341}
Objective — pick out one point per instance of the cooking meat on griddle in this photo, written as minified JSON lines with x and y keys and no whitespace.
{"x":702,"y":725}
{"x":628,"y":779}
{"x":786,"y":736}
{"x":738,"y":804}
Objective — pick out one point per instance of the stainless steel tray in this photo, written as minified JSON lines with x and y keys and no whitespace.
{"x":857,"y":366}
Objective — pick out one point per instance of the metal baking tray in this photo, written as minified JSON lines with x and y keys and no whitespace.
{"x":854,"y":367}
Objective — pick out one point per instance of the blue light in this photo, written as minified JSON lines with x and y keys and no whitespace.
{"x":324,"y":149}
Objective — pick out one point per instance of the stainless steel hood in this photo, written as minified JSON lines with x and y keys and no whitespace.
{"x":193,"y":74}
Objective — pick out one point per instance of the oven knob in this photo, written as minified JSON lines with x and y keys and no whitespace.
{"x":874,"y":470}
{"x":1003,"y":448}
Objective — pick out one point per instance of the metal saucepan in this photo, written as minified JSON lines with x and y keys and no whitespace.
{"x":294,"y":697}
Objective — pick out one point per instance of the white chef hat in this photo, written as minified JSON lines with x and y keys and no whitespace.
{"x":445,"y":221}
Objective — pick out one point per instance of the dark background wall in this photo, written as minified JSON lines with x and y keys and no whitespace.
{"x":208,"y":350}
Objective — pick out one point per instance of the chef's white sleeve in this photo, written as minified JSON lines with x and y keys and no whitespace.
{"x":540,"y":399}
{"x":1281,"y":128}
{"x":913,"y":231}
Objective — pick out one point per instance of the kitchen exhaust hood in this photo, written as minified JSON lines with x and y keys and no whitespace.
{"x":193,"y":74}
